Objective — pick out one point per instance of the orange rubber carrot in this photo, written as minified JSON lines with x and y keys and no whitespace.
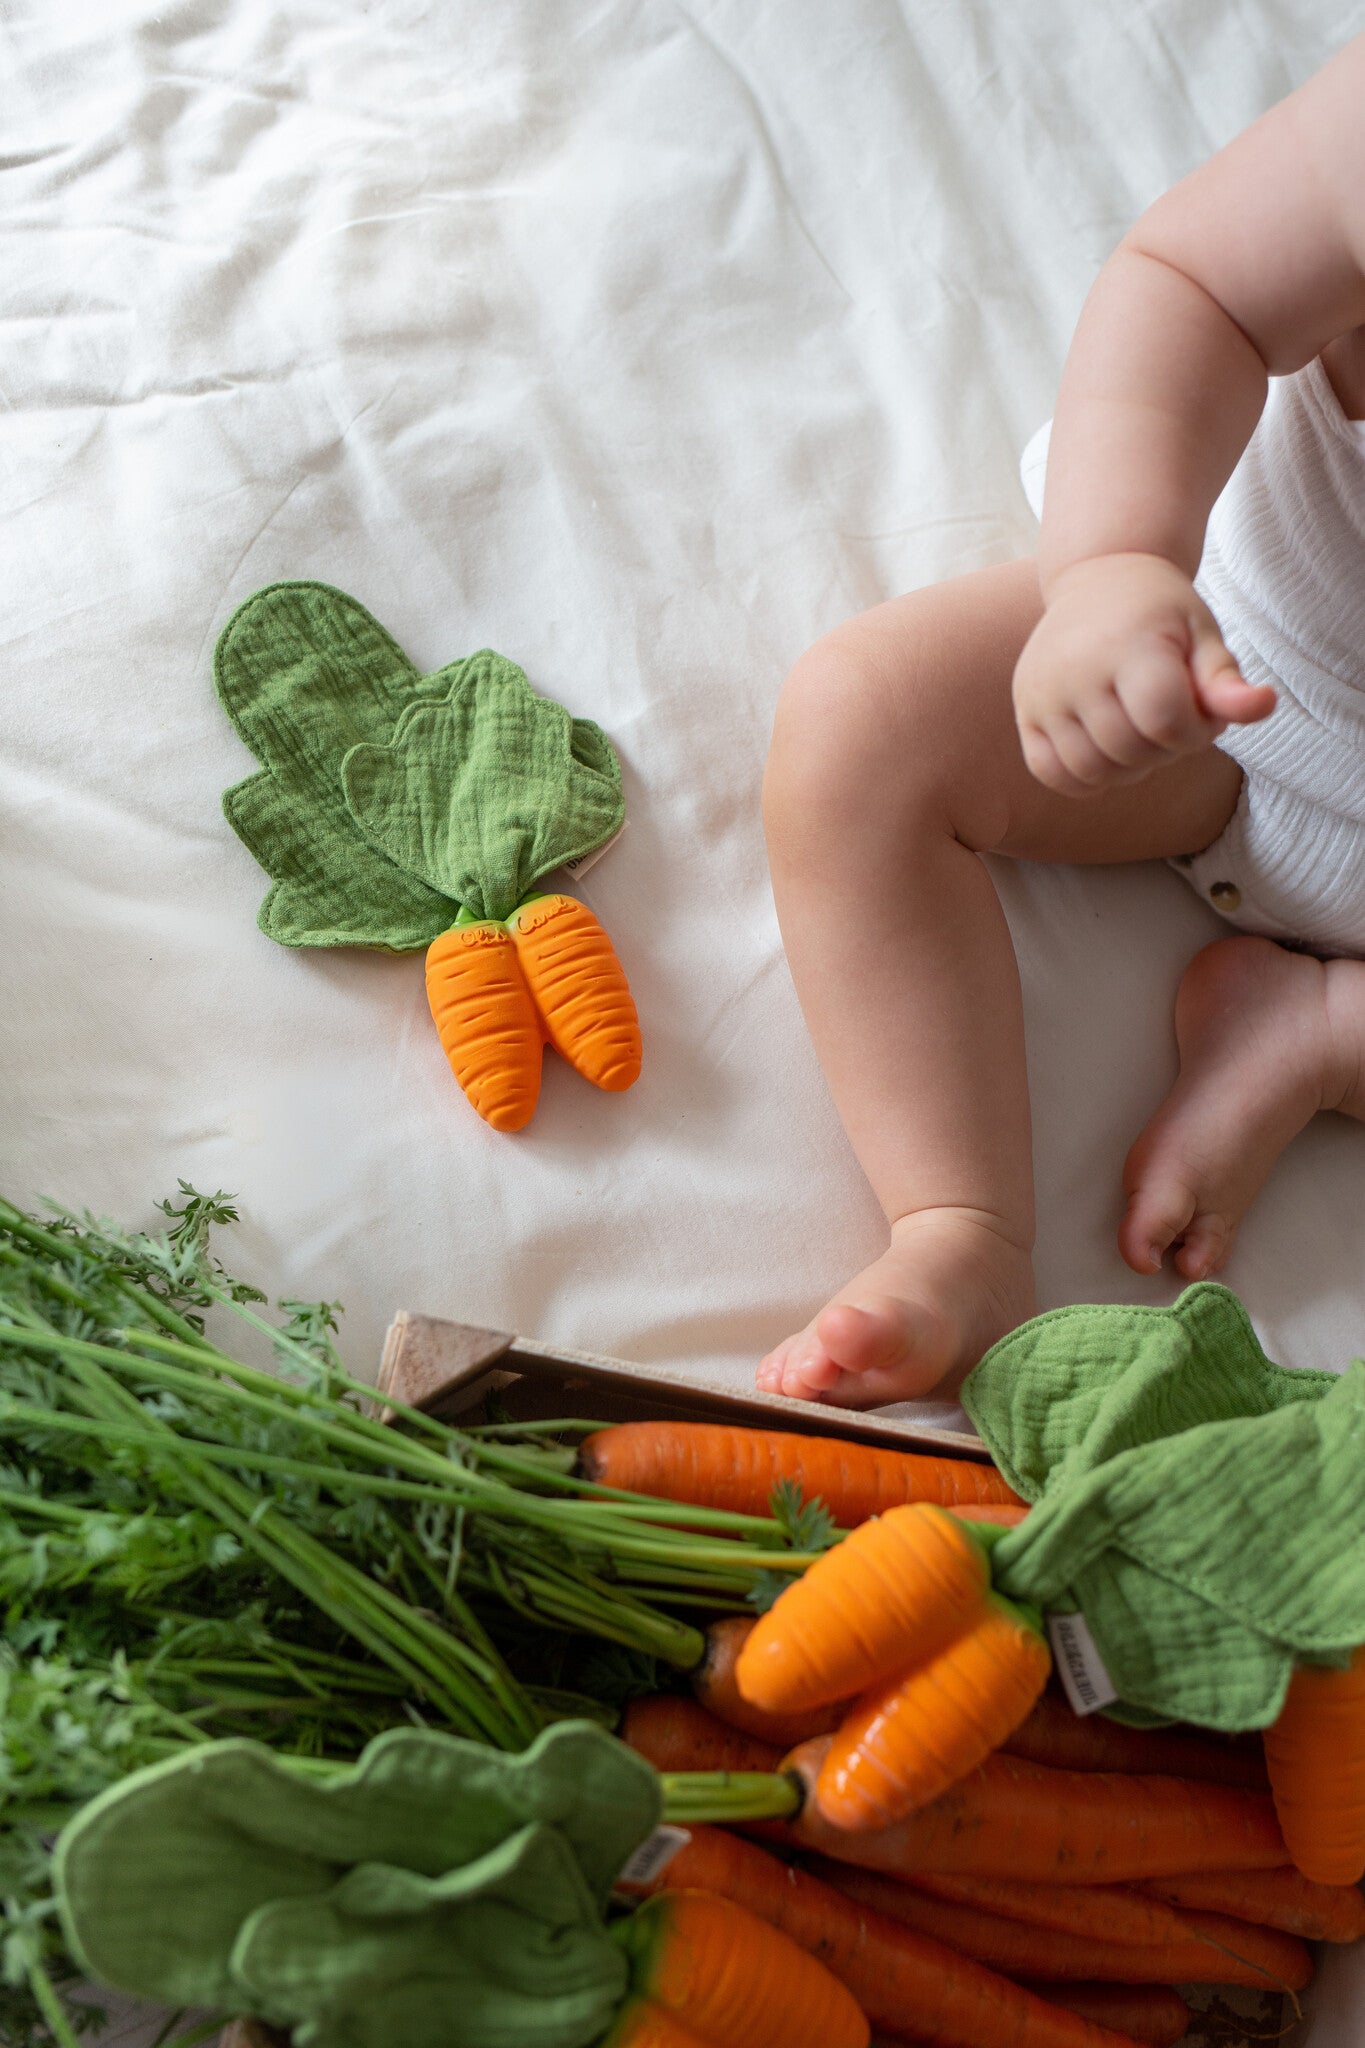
{"x":643,"y":2024}
{"x":1199,"y":1948}
{"x":675,"y":1734}
{"x":1315,"y":1754}
{"x":1271,"y":1898}
{"x":905,"y":1984}
{"x":733,"y":1978}
{"x":1053,"y":1734}
{"x":579,"y":988}
{"x":486,"y":1021}
{"x":1152,"y":2013}
{"x":715,"y":1686}
{"x":913,"y":1737}
{"x":1015,"y":1819}
{"x":715,"y":1465}
{"x":889,"y":1595}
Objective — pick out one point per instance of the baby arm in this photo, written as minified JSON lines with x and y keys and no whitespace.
{"x":1245,"y":270}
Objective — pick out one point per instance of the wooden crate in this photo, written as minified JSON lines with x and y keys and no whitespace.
{"x":449,"y":1368}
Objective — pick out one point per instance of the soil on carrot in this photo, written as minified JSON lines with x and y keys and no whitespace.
{"x":1229,"y":2017}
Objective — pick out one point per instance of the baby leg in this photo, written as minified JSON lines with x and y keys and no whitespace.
{"x":895,"y":764}
{"x":1267,"y":1038}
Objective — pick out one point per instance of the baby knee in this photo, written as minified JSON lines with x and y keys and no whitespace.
{"x":843,"y":747}
{"x":828,"y":734}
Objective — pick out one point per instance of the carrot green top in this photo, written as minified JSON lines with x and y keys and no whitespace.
{"x":1203,"y":1507}
{"x":436,"y":1893}
{"x":388,"y":800}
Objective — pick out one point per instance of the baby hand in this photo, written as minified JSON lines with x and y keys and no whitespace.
{"x":1125,"y":670}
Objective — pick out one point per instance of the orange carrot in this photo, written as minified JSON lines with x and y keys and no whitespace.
{"x":1002,"y":1513}
{"x":715,"y":1465}
{"x":1198,"y":1948}
{"x":1315,"y":1754}
{"x":714,"y":1683}
{"x":894,"y":1591}
{"x":1103,"y":1912}
{"x":643,"y":2024}
{"x":1151,"y":2013}
{"x":733,"y":1978}
{"x":486,"y":1021}
{"x":1053,"y":1734}
{"x":675,"y":1734}
{"x":1271,"y":1898}
{"x":579,"y":988}
{"x":910,"y":1739}
{"x":904,"y":1983}
{"x":1015,"y":1819}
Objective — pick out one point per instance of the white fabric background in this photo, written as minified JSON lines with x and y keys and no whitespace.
{"x":642,"y":342}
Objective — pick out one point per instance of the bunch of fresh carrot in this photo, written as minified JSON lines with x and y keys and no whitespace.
{"x":1067,"y":1884}
{"x":899,"y":1618}
{"x":894,"y":1647}
{"x":501,"y":989}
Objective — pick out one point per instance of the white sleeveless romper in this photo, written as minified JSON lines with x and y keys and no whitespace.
{"x":1284,"y":575}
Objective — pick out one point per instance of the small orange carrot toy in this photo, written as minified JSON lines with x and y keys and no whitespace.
{"x":732,"y":1980}
{"x":913,"y":1737}
{"x":486,"y":1021}
{"x":1315,"y":1754}
{"x":716,"y":1685}
{"x":889,"y":1595}
{"x":579,"y":989}
{"x":500,"y":991}
{"x":645,"y":2025}
{"x":405,"y":812}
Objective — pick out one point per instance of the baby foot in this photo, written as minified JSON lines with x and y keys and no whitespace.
{"x":1267,"y":1038}
{"x":919,"y":1318}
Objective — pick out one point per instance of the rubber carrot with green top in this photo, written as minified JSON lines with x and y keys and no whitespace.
{"x":434,"y":1893}
{"x":894,"y":1591}
{"x":901,"y":1610}
{"x":731,"y":1979}
{"x":912,"y":1738}
{"x":411,"y":812}
{"x":1315,"y":1754}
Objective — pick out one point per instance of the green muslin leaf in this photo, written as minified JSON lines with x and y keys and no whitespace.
{"x":479,"y":795}
{"x":1203,"y":1507}
{"x":508,"y":1952}
{"x":305,"y":674}
{"x":157,"y":1877}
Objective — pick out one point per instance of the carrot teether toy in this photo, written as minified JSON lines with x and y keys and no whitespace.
{"x":405,"y":811}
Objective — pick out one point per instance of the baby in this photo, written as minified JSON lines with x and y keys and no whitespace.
{"x":1219,"y":723}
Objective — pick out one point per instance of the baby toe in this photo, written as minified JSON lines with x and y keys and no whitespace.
{"x":1204,"y":1247}
{"x":1156,"y":1217}
{"x":811,"y":1376}
{"x":862,"y":1338}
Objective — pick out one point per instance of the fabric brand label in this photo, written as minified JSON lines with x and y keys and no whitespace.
{"x":1088,"y":1685}
{"x":654,"y":1855}
{"x":579,"y":867}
